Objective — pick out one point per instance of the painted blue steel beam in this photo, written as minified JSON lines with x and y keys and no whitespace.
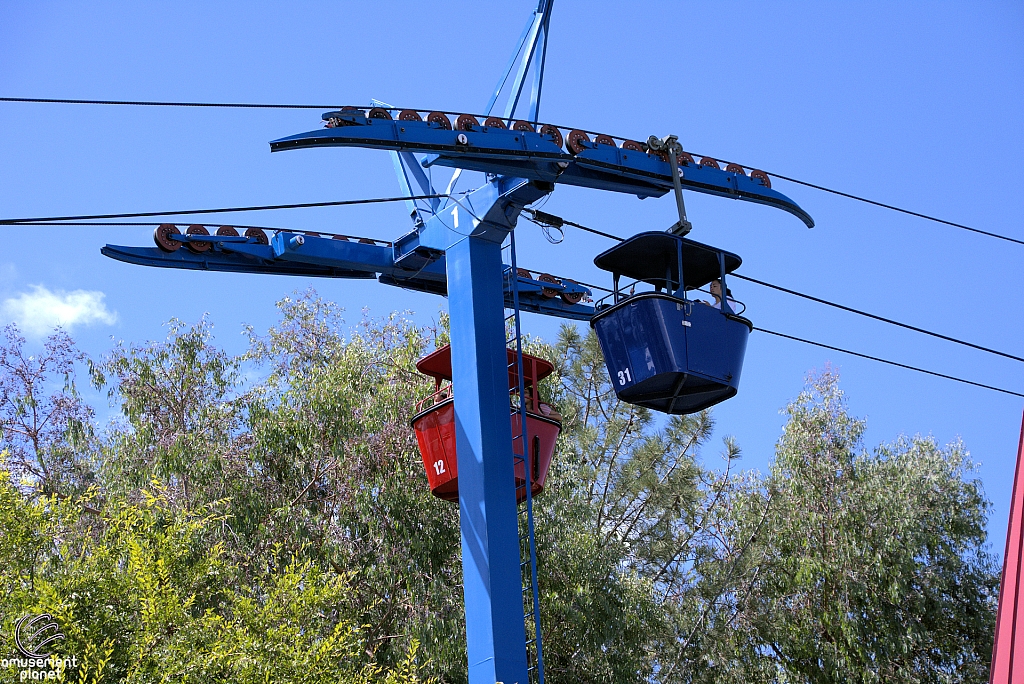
{"x":321,"y":257}
{"x":409,"y":170}
{"x":543,"y":8}
{"x":534,"y":37}
{"x":495,"y":630}
{"x":491,"y":210}
{"x":533,"y":156}
{"x":225,"y":262}
{"x":524,"y":65}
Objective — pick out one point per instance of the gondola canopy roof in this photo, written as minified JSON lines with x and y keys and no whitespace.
{"x":649,"y":257}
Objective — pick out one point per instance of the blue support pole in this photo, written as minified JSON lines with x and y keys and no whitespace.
{"x":495,"y":633}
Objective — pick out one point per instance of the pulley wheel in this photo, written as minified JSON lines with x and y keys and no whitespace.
{"x":570,"y":297}
{"x":379,"y":113}
{"x":261,"y":237}
{"x":227,"y":231}
{"x":440,"y":119}
{"x":522,"y":126}
{"x":575,"y":141}
{"x":465,"y":122}
{"x":494,"y":122}
{"x":685,"y":158}
{"x":311,"y":233}
{"x":604,"y":140}
{"x":761,"y":176}
{"x":736,"y":168}
{"x":161,"y":236}
{"x":523,"y":273}
{"x":198,"y":247}
{"x":632,"y":145}
{"x":367,"y":241}
{"x":409,"y":115}
{"x":548,"y":292}
{"x":708,"y":161}
{"x":660,"y":154}
{"x":340,"y":237}
{"x":553,"y":133}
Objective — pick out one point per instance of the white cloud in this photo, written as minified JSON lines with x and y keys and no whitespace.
{"x":38,"y":312}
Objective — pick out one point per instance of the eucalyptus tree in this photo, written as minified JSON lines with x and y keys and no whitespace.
{"x":870,"y":566}
{"x":46,"y":430}
{"x":246,"y":508}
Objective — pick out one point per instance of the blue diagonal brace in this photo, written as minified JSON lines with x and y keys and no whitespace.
{"x":409,"y":170}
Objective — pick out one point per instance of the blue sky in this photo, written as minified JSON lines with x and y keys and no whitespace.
{"x":918,"y":105}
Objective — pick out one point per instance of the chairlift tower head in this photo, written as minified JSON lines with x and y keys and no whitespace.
{"x":454,"y":248}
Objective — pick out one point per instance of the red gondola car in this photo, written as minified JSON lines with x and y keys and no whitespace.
{"x":434,"y":423}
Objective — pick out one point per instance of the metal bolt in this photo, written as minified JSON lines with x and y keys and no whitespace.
{"x":462,"y":139}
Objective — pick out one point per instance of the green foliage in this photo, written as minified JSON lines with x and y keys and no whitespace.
{"x":266,"y":518}
{"x":179,"y":417}
{"x":618,"y":531}
{"x":868,"y":567}
{"x":142,"y":596}
{"x":337,"y":466}
{"x":45,"y":427}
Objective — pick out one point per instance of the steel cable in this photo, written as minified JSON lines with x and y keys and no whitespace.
{"x":819,"y":300}
{"x":149,"y":103}
{"x":253,"y":105}
{"x":895,"y":208}
{"x":891,"y":363}
{"x":266,"y":207}
{"x":877,"y":318}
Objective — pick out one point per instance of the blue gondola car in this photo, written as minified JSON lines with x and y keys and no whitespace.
{"x":663,"y":350}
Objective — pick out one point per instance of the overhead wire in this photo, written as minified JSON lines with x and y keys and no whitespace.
{"x":130,"y":223}
{"x":254,"y":105}
{"x":546,"y":229}
{"x":876,"y":317}
{"x":891,"y":363}
{"x":735,"y":275}
{"x":819,"y":300}
{"x":225,"y":210}
{"x":895,"y":208}
{"x":151,"y":103}
{"x":560,"y":221}
{"x":542,"y":219}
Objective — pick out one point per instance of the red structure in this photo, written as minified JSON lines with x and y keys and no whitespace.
{"x":1008,"y":649}
{"x":434,"y":423}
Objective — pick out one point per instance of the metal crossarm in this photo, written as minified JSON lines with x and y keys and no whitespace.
{"x":537,"y":156}
{"x":325,"y":256}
